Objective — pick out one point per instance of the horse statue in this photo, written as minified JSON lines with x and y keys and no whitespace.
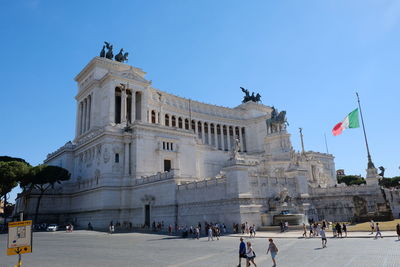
{"x":109,"y":54}
{"x":382,"y":173}
{"x":103,"y":51}
{"x":121,"y":57}
{"x":277,"y":123}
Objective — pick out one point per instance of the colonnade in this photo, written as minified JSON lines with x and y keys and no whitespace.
{"x":220,"y":136}
{"x":84,"y":114}
{"x":128,"y":106}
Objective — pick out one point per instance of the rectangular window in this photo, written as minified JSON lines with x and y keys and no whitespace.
{"x":167,"y":165}
{"x":116,"y":158}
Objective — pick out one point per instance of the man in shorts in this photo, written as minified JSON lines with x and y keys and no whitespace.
{"x":274,"y":250}
{"x":242,"y":251}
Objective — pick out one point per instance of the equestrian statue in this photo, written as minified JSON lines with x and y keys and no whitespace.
{"x":277,"y":122}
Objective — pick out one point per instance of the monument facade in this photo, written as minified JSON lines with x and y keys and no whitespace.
{"x":141,"y":155}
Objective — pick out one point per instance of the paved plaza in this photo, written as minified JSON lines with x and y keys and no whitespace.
{"x":97,"y":249}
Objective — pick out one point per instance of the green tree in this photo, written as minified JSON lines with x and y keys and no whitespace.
{"x":351,"y":180}
{"x":11,"y":172}
{"x":43,"y":177}
{"x":390,"y":182}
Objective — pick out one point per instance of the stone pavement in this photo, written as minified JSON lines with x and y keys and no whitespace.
{"x":98,"y":249}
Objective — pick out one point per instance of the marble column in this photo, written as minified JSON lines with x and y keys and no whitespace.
{"x":123,"y":106}
{"x":228,"y":137}
{"x":80,"y":117}
{"x":89,"y":111}
{"x":241,"y":139}
{"x":222,"y":138}
{"x":84,"y":115}
{"x":209,"y":134}
{"x":215,"y":136}
{"x":133,"y":107}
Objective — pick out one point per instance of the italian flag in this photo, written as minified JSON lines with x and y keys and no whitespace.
{"x":351,"y":121}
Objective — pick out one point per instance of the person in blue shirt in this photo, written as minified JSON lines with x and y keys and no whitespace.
{"x":242,"y":251}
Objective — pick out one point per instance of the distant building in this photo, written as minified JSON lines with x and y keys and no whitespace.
{"x":142,"y":155}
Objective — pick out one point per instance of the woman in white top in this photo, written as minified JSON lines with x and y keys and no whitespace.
{"x":250,"y":255}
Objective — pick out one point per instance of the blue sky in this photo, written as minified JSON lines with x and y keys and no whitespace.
{"x":306,"y":57}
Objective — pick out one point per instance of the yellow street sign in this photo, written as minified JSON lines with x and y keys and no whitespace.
{"x":19,"y":238}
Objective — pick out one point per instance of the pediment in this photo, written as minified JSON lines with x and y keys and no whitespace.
{"x":132,"y":76}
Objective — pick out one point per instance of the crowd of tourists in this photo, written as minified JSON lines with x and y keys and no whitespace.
{"x":244,"y":228}
{"x":314,"y":229}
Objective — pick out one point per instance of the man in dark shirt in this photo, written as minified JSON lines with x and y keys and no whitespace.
{"x":242,"y":251}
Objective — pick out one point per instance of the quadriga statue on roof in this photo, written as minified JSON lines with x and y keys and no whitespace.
{"x":247,"y":97}
{"x":120,"y":57}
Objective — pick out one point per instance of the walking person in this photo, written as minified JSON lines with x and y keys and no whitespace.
{"x":311,"y":231}
{"x":398,"y":231}
{"x":251,"y":231}
{"x":304,"y":230}
{"x":210,"y":233}
{"x":242,"y":252}
{"x":274,"y":250}
{"x":333,"y":230}
{"x":344,"y":228}
{"x":378,"y":231}
{"x":323,"y":237}
{"x":111,"y":227}
{"x":339,"y":230}
{"x":371,"y":225}
{"x":254,"y":230}
{"x":250,"y":255}
{"x":170,"y":229}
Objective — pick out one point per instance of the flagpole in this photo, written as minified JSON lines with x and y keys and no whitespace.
{"x":326,"y":144}
{"x":370,"y":164}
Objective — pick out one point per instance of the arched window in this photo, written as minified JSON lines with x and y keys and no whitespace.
{"x":166,"y":120}
{"x":153,"y":116}
{"x":193,"y":125}
{"x":186,"y":124}
{"x":180,"y":123}
{"x":173,"y":121}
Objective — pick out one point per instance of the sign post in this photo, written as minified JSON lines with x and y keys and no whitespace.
{"x":19,"y":239}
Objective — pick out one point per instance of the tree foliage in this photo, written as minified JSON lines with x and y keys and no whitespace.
{"x":390,"y":182}
{"x":11,"y":172}
{"x":351,"y":180}
{"x":42,"y":177}
{"x":8,"y":158}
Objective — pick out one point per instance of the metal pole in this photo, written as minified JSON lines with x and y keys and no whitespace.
{"x":326,"y":144}
{"x":370,"y":164}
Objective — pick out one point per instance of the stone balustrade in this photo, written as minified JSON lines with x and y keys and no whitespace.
{"x":208,"y":182}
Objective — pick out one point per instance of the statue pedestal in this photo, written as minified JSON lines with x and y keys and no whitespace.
{"x":372,"y":177}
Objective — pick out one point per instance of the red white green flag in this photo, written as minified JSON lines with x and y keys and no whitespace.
{"x":351,"y":121}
